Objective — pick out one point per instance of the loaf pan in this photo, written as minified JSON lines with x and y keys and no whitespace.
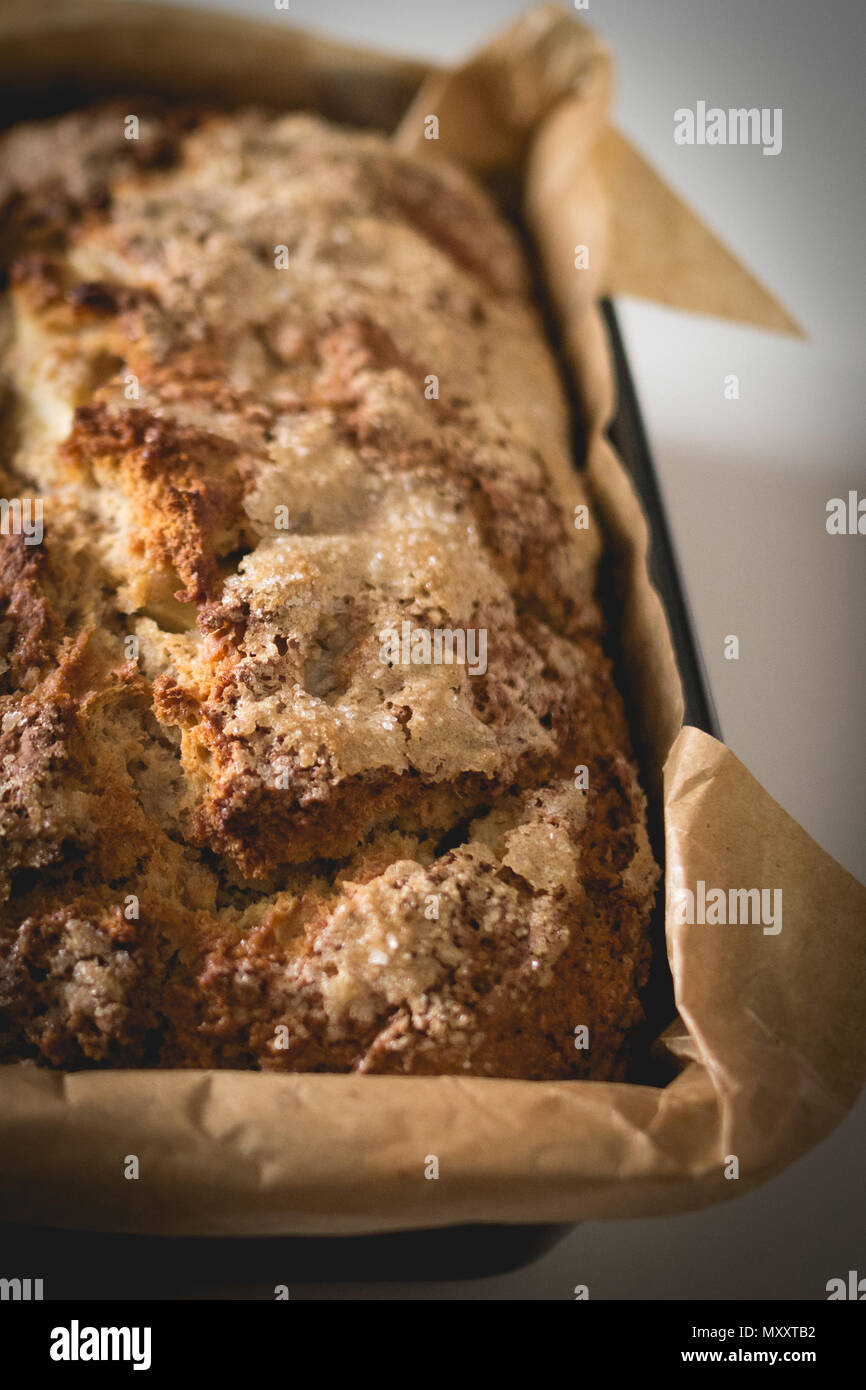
{"x":81,"y":1265}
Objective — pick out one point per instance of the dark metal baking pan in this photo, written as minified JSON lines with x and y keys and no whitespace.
{"x":629,"y":438}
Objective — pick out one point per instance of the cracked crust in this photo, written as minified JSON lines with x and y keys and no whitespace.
{"x":283,"y":391}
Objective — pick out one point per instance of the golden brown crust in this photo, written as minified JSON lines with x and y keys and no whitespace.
{"x":285,"y":398}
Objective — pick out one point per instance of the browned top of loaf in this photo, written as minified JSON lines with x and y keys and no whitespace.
{"x":255,"y":470}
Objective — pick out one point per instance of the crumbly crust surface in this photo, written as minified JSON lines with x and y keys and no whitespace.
{"x":282,"y":390}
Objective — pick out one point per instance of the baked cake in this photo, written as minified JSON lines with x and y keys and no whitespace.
{"x":310,"y":754}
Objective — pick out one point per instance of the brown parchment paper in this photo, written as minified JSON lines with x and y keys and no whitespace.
{"x":769,"y":1036}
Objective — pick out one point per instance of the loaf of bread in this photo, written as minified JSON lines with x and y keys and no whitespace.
{"x":310,"y":754}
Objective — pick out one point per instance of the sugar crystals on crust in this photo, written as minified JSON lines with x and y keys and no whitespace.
{"x":286,"y":401}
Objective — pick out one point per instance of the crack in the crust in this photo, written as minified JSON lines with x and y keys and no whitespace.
{"x":11,"y":433}
{"x":458,"y":834}
{"x":259,"y":333}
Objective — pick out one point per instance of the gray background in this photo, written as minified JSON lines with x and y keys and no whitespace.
{"x":746,"y":484}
